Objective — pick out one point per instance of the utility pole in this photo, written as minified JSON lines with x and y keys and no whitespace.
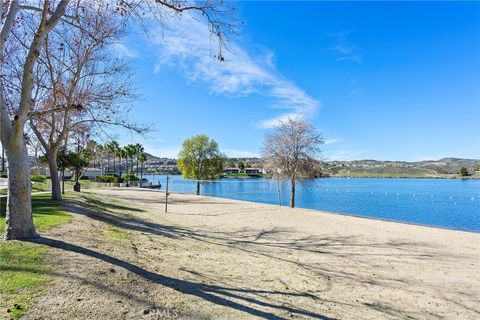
{"x":166,"y":195}
{"x":279,"y":192}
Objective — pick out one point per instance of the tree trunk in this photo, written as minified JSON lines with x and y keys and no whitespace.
{"x":198,"y":188}
{"x":19,"y":221}
{"x":114,"y":169}
{"x":52,"y":165}
{"x":292,"y":194}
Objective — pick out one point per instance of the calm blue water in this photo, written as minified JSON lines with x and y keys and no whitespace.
{"x":449,"y":203}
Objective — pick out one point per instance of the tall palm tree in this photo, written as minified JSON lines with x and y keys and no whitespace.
{"x":114,"y":146}
{"x":92,"y":148}
{"x":124,"y":155}
{"x":138,"y":148}
{"x":119,"y":153}
{"x":142,"y":158}
{"x":130,"y":151}
{"x":100,"y":151}
{"x":111,"y":149}
{"x":106,"y":149}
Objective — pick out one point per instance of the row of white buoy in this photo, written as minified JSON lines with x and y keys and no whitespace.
{"x":398,"y":194}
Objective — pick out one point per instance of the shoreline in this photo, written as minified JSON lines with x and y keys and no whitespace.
{"x":404,"y":177}
{"x":476,"y":177}
{"x":316,"y":211}
{"x":219,"y":258}
{"x":337,"y":213}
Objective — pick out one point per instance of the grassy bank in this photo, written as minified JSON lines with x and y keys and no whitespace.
{"x":23,"y":269}
{"x":244,"y":175}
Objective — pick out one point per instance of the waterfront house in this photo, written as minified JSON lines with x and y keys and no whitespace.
{"x":252,"y":171}
{"x":231,"y":170}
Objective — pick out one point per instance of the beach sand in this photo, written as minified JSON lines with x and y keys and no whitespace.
{"x":212,"y":258}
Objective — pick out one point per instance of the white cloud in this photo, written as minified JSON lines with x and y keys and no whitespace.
{"x":338,"y":149}
{"x":343,"y":47}
{"x":122,"y":51}
{"x":191,"y":48}
{"x":355,"y":58}
{"x":332,"y":141}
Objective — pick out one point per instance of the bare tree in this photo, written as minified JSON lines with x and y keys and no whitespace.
{"x":80,"y":84}
{"x":37,"y":20}
{"x":290,"y":150}
{"x":19,"y":222}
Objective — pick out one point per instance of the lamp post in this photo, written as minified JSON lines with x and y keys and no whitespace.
{"x":76,"y":186}
{"x":3,"y":159}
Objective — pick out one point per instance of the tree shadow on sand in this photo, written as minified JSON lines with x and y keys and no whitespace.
{"x":275,"y":244}
{"x":262,"y":242}
{"x":218,"y":295}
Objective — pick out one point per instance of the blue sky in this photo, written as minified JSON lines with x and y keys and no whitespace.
{"x":380,"y":80}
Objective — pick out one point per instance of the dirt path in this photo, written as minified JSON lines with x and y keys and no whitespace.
{"x":212,"y":258}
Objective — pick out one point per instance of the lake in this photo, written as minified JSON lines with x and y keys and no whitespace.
{"x":448,"y":203}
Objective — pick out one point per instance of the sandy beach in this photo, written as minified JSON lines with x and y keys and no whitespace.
{"x":211,"y":258}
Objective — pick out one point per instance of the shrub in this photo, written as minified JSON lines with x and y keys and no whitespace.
{"x":106,"y":179}
{"x":131,"y":177}
{"x":38,"y":178}
{"x":463,"y":172}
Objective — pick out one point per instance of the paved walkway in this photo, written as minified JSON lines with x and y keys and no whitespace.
{"x":40,"y":192}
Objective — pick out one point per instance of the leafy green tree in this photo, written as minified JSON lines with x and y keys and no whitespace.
{"x":200,"y":159}
{"x":73,"y":161}
{"x":241,"y":166}
{"x":463,"y":172}
{"x":69,"y":160}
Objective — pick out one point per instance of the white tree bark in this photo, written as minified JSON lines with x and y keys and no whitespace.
{"x":19,"y":222}
{"x":51,"y":153}
{"x":52,"y":165}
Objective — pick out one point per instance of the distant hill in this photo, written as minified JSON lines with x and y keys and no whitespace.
{"x":446,"y":167}
{"x":428,"y":168}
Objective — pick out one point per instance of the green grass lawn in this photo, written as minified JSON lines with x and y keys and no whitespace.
{"x":46,"y":213}
{"x":23,"y":269}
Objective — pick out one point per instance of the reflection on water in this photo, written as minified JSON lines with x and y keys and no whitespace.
{"x":449,"y":203}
